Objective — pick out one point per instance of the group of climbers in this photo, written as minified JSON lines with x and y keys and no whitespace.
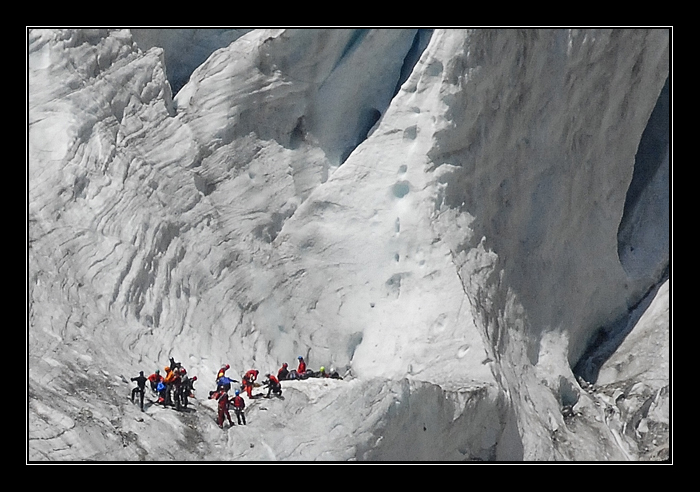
{"x":249,"y":381}
{"x":302,"y":372}
{"x":174,"y":389}
{"x":224,"y":401}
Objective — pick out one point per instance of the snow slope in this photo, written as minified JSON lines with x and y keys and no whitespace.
{"x":436,"y":214}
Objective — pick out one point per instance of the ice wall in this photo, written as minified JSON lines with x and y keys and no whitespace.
{"x":442,"y":208}
{"x":185,"y":49}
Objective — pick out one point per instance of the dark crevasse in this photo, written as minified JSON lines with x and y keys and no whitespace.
{"x":185,"y":49}
{"x":643,"y":234}
{"x":652,"y":147}
{"x":369,"y":118}
{"x":355,"y":40}
{"x":420,"y":42}
{"x":609,"y":338}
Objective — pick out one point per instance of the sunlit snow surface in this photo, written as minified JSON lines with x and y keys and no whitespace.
{"x":451,"y":247}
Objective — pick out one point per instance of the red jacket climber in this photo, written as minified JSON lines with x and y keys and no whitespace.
{"x":154,"y":379}
{"x":283,"y":372}
{"x":248,"y":380}
{"x":222,"y":371}
{"x":224,"y":404}
{"x":302,"y":366}
{"x":273,"y":385}
{"x":238,"y":407}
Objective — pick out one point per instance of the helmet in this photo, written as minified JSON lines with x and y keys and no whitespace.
{"x":167,"y":368}
{"x":194,"y":378}
{"x":300,"y":357}
{"x":284,"y":365}
{"x":238,"y":392}
{"x":323,"y":369}
{"x":182,"y":370}
{"x":157,"y":371}
{"x":227,"y":366}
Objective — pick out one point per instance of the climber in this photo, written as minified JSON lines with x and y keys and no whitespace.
{"x":181,"y":379}
{"x":333,"y":374}
{"x":169,"y":381}
{"x":249,"y":380}
{"x":301,"y":372}
{"x":140,"y":388}
{"x":187,"y":389}
{"x":273,"y":385}
{"x":154,"y":379}
{"x":283,"y":373}
{"x":225,"y":383}
{"x":180,"y":373}
{"x":222,"y":372}
{"x":239,"y":407}
{"x":224,"y":404}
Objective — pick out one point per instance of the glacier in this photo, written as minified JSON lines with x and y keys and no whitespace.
{"x":472,"y":226}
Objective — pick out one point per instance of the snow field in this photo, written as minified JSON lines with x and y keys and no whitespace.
{"x":450,"y":245}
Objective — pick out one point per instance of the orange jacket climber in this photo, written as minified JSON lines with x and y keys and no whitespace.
{"x":169,"y":375}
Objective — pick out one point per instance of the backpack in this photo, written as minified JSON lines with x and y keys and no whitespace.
{"x":239,"y":402}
